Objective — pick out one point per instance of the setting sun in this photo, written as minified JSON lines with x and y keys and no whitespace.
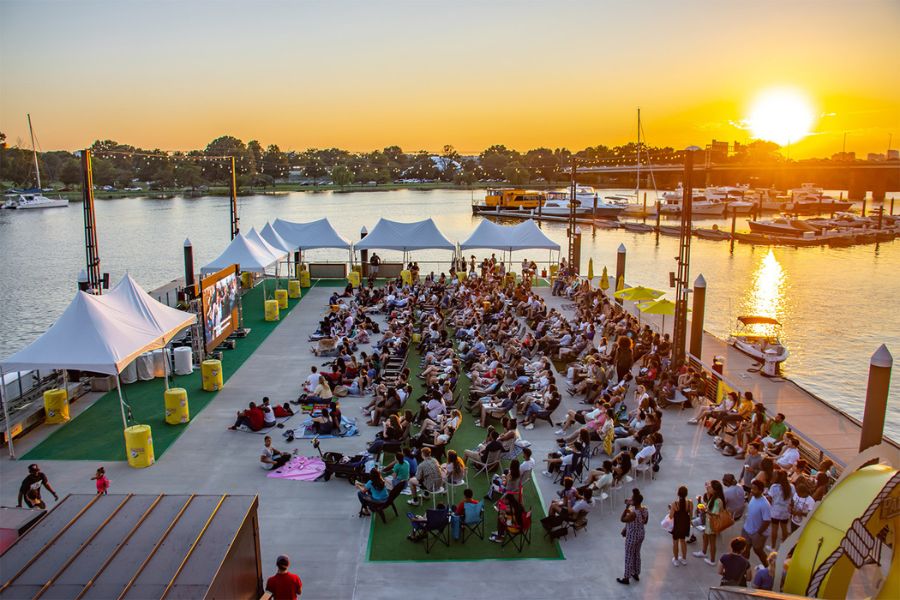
{"x":783,"y":116}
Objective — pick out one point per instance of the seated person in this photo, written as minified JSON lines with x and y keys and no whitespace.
{"x":372,"y":492}
{"x":600,"y":478}
{"x":399,"y":470}
{"x":497,"y":408}
{"x":272,"y":458}
{"x":510,"y":517}
{"x":454,"y":470}
{"x":283,"y":410}
{"x":323,"y":424}
{"x":468,"y":498}
{"x":268,"y":414}
{"x":252,"y":418}
{"x":490,"y":445}
{"x":428,"y":477}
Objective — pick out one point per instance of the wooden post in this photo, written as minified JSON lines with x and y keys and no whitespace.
{"x":620,"y":269}
{"x":733,"y":227}
{"x":864,"y":207}
{"x":892,"y":206}
{"x":876,"y":398}
{"x":658,"y":206}
{"x":363,"y":256}
{"x":699,"y":310}
{"x":188,"y":264}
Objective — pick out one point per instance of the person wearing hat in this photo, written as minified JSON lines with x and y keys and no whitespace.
{"x":30,"y":490}
{"x":284,"y":585}
{"x":735,"y":499}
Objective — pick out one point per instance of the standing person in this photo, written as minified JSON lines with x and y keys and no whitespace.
{"x":374,"y":263}
{"x":30,"y":490}
{"x":635,"y":516}
{"x":781,"y":492}
{"x":284,"y":585}
{"x":623,"y":357}
{"x":102,"y":481}
{"x":733,"y":567}
{"x":715,"y":504}
{"x":759,"y":516}
{"x":680,"y":512}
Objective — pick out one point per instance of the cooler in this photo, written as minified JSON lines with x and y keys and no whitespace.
{"x":129,"y":373}
{"x":353,"y":278}
{"x":184,"y":360}
{"x":246,"y":280}
{"x":271,"y":310}
{"x":294,"y":288}
{"x":281,"y":296}
{"x":177,"y":411}
{"x":211,"y":374}
{"x":304,"y":279}
{"x":56,"y":406}
{"x":139,"y":446}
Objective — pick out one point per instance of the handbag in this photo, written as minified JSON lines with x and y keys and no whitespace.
{"x":721,"y":521}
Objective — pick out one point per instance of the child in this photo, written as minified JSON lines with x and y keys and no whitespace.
{"x":102,"y":481}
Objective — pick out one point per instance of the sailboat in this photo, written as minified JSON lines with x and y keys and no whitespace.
{"x":33,"y":198}
{"x":633,"y":208}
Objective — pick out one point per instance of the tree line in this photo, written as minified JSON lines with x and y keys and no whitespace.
{"x":122,"y":165}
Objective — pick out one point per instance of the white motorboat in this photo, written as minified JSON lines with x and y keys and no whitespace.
{"x":587,"y":203}
{"x":29,"y":199}
{"x":739,"y":199}
{"x":700,"y":204}
{"x":758,"y":337}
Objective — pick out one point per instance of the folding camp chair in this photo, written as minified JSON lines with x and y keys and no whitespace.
{"x":522,"y":536}
{"x":473,"y":520}
{"x":437,"y":527}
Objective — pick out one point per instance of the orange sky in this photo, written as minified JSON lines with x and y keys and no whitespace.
{"x":363,"y":75}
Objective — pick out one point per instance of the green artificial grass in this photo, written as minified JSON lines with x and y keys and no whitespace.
{"x":96,"y":434}
{"x":387,"y":541}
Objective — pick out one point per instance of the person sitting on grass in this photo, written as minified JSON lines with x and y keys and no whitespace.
{"x":372,"y":492}
{"x":428,"y":477}
{"x":510,"y":518}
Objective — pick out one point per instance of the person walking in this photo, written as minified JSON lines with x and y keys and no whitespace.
{"x":30,"y":490}
{"x":759,"y":516}
{"x":680,"y":512}
{"x":102,"y":481}
{"x":284,"y":585}
{"x":635,"y":517}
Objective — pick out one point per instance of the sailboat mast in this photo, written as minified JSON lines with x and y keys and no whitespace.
{"x":637,"y":182}
{"x":37,"y":169}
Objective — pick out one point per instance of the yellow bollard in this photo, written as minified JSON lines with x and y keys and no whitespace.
{"x":177,"y":410}
{"x":406,"y":276}
{"x":139,"y":446}
{"x":272,"y":310}
{"x":211,"y":374}
{"x":353,"y":278}
{"x":304,"y":279}
{"x":246,"y":280}
{"x":281,"y":296}
{"x":294,"y":288}
{"x":461,"y":275}
{"x":56,"y":406}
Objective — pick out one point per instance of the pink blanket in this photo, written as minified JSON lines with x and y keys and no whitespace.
{"x":300,"y":468}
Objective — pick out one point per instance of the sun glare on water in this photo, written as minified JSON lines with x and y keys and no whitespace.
{"x":783,"y":116}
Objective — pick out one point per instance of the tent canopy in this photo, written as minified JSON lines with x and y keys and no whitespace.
{"x":244,"y":252}
{"x":524,"y":236}
{"x":129,"y":296}
{"x":309,"y":236}
{"x":393,"y":235}
{"x":270,"y":235}
{"x":254,"y":236}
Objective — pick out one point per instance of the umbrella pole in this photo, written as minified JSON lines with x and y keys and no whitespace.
{"x":9,"y":441}
{"x":121,"y":401}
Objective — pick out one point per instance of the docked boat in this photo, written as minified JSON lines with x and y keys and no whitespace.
{"x":739,"y":199}
{"x":700,"y":204}
{"x":31,"y":199}
{"x":783,"y":226}
{"x":515,"y":199}
{"x":715,"y":234}
{"x":635,"y":227}
{"x":670,"y":230}
{"x":757,"y":336}
{"x":588,"y":203}
{"x":809,"y":199}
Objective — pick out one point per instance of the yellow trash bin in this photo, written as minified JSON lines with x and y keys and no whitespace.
{"x":56,"y":406}
{"x":417,"y":337}
{"x":139,"y":446}
{"x":294,"y":288}
{"x":271,"y":310}
{"x":301,"y":268}
{"x":211,"y":374}
{"x":461,"y":275}
{"x":356,"y":269}
{"x":304,"y":279}
{"x":246,"y":280}
{"x":406,"y":276}
{"x":353,"y":278}
{"x":281,"y":297}
{"x":177,"y":410}
{"x":554,"y":269}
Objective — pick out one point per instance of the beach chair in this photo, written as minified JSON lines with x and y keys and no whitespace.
{"x":380,"y":507}
{"x":489,"y":465}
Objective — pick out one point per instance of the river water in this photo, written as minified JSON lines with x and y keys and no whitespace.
{"x":836,"y":304}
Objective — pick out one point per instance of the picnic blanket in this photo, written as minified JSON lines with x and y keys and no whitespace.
{"x":300,"y":468}
{"x":307,"y":431}
{"x":266,"y":430}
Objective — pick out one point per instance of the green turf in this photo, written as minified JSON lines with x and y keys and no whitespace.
{"x":387,"y":542}
{"x":96,"y":434}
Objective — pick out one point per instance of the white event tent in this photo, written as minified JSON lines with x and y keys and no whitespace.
{"x":270,"y":235}
{"x":245,"y":252}
{"x":102,"y":334}
{"x":310,"y":236}
{"x":254,"y":236}
{"x":524,"y":236}
{"x":393,"y":235}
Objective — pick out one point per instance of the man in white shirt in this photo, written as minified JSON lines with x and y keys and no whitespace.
{"x":312,"y":380}
{"x":272,"y":458}
{"x":790,"y":454}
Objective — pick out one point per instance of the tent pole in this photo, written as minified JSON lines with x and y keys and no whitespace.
{"x":9,"y":441}
{"x":121,"y":401}
{"x":166,"y":365}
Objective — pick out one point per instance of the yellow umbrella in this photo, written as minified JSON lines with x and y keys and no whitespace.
{"x":604,"y":279}
{"x":662,"y":306}
{"x":637,"y":293}
{"x":590,"y":269}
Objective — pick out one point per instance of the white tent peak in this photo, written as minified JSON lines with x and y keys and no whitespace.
{"x":254,"y":236}
{"x":394,"y":235}
{"x":129,"y":296}
{"x":270,"y":235}
{"x":309,"y":236}
{"x":244,"y":252}
{"x":524,"y":236}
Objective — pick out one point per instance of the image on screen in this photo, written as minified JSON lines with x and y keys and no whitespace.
{"x":220,"y":304}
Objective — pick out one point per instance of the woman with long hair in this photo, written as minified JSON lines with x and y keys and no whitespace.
{"x":680,"y":513}
{"x":624,"y":357}
{"x":635,"y":516}
{"x":454,"y":468}
{"x":509,"y":518}
{"x":715,"y":504}
{"x":780,"y":494}
{"x":373,"y":492}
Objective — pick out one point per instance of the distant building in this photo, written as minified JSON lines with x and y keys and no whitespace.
{"x":875,"y":157}
{"x":718,"y":151}
{"x":893,"y":154}
{"x":844,"y":156}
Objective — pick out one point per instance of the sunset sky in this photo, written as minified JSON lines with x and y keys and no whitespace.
{"x":364,"y":75}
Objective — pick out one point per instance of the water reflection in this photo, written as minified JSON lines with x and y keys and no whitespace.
{"x":766,"y":297}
